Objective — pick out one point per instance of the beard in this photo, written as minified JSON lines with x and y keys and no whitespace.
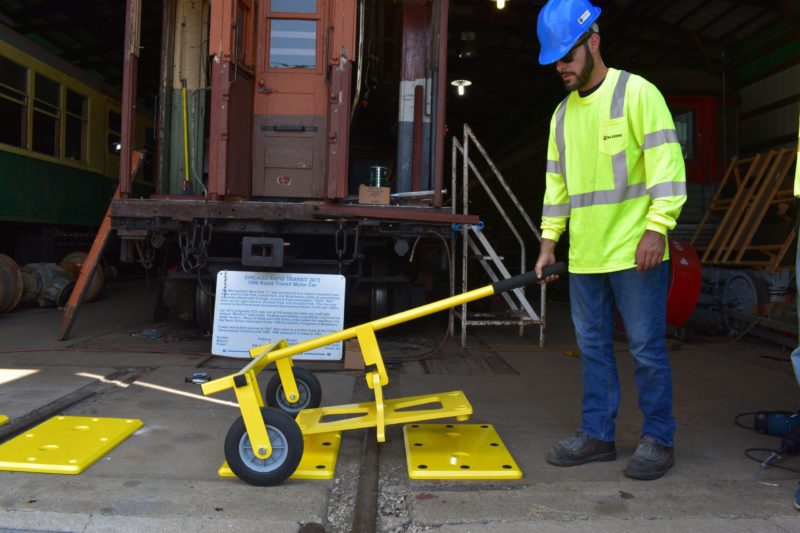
{"x":583,"y":76}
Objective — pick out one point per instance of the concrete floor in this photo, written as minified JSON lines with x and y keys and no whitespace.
{"x":163,"y":478}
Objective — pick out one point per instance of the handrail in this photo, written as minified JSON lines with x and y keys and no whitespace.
{"x":463,"y":148}
{"x":469,"y":134}
{"x":457,"y":145}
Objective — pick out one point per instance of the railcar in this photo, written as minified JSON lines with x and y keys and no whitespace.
{"x":293,"y":104}
{"x":60,"y":140}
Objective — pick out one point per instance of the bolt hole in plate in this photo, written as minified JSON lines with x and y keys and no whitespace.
{"x":320,"y":452}
{"x":457,"y":451}
{"x":65,"y":444}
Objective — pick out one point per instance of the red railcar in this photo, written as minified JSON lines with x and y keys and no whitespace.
{"x":260,"y":169}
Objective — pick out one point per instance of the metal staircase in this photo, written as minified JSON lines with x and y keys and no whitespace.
{"x":476,"y":245}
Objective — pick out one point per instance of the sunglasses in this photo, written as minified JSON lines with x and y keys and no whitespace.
{"x":570,"y":57}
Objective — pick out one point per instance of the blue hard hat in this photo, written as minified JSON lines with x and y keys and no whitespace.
{"x":561,"y":23}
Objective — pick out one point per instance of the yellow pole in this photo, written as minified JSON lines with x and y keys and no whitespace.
{"x":185,"y":138}
{"x":271,"y":353}
{"x":382,"y":323}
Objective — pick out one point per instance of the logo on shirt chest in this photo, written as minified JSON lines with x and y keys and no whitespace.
{"x":612,"y":138}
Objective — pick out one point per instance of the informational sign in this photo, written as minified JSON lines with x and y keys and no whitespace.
{"x":257,"y":308}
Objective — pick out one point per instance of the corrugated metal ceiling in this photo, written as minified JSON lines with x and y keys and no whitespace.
{"x":636,"y":34}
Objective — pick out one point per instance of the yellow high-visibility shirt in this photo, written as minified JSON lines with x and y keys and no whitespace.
{"x":614,"y":169}
{"x":797,"y":167}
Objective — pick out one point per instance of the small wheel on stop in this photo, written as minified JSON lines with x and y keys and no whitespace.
{"x":286,"y":440}
{"x":307,"y":385}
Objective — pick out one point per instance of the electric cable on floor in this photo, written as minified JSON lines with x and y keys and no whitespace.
{"x":790,"y":444}
{"x":740,"y":415}
{"x":775,"y":455}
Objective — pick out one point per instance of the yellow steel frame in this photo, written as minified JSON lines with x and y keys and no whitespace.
{"x":379,"y":413}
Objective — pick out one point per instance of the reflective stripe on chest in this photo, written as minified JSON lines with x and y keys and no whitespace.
{"x":613,"y":140}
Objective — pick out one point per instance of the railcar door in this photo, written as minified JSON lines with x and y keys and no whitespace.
{"x":695,"y":122}
{"x":290,"y":104}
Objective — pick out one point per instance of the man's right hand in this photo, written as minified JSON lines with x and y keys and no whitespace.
{"x":547,"y":256}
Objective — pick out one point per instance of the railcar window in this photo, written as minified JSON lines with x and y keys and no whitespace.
{"x":114,"y":136}
{"x":148,"y":170}
{"x":293,"y":44}
{"x":684,"y":125}
{"x":46,"y":104}
{"x":240,"y":29}
{"x":13,"y":99}
{"x":77,"y":126}
{"x":294,"y":6}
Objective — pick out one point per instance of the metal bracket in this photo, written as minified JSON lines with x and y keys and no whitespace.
{"x":262,"y":252}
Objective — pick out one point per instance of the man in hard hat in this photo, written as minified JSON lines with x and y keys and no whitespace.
{"x":615,"y":170}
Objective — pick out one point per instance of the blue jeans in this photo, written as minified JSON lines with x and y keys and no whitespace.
{"x":641,"y":298}
{"x":796,"y":352}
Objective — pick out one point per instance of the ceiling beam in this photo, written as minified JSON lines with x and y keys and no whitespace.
{"x":688,"y":14}
{"x":790,"y":16}
{"x":69,"y":9}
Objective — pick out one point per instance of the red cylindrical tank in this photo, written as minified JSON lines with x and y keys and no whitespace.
{"x":684,"y":287}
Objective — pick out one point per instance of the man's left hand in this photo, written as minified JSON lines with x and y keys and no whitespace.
{"x":650,"y":252}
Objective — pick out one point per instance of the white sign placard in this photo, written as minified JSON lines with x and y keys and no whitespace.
{"x":257,"y":308}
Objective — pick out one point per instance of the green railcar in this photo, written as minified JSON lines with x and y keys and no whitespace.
{"x":59,"y":149}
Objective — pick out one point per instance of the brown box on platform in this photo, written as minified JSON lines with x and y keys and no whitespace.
{"x":353,"y":360}
{"x":373,"y":195}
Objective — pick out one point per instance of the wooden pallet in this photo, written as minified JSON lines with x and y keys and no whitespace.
{"x":754,"y":189}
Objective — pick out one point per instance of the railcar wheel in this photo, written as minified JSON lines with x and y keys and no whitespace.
{"x":286,"y":440}
{"x":744,"y":292}
{"x":379,"y":300}
{"x":379,"y":290}
{"x":204,"y":305}
{"x":307,"y":385}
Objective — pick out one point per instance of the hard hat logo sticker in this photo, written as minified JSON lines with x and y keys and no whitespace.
{"x":583,"y":17}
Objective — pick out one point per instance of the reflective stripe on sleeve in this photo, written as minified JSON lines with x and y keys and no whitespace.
{"x":657,"y":138}
{"x":668,"y":188}
{"x":558,"y":210}
{"x":553,"y":167}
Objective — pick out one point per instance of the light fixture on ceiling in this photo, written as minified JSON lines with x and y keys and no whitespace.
{"x":461,"y":84}
{"x":500,"y":3}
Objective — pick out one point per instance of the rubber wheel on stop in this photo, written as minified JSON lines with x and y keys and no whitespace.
{"x":307,"y":385}
{"x":286,"y":440}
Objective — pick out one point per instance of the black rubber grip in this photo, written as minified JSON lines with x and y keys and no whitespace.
{"x":556,"y":269}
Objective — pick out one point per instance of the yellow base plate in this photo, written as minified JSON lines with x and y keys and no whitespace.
{"x":3,"y":420}
{"x":319,"y":457}
{"x":65,"y":444}
{"x":457,"y":451}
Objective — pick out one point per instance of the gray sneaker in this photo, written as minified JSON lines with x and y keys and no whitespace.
{"x":580,"y":449}
{"x":651,"y":460}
